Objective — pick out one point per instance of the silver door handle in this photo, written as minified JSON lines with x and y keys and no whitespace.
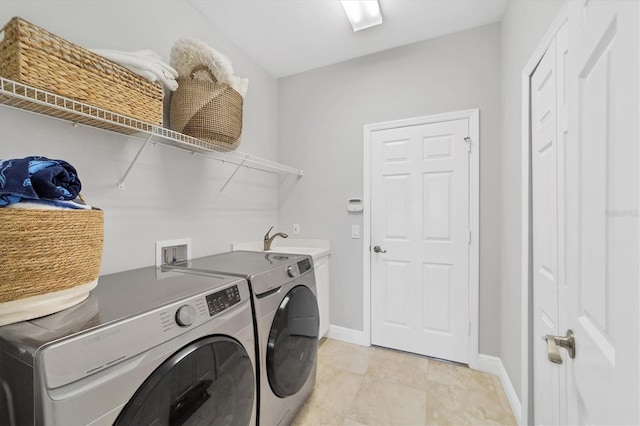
{"x":377,"y":249}
{"x":568,"y":342}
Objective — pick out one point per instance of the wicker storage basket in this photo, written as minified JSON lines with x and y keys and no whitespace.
{"x":207,"y":110}
{"x":38,"y":58}
{"x":48,"y":251}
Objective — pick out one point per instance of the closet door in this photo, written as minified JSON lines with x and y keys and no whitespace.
{"x":545,"y":84}
{"x":603,"y":188}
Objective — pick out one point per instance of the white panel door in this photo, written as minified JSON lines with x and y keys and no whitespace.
{"x":602,"y":255}
{"x":545,"y":235}
{"x":549,"y":129}
{"x":420,"y":217}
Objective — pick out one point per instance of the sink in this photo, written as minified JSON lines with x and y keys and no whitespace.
{"x":311,"y":251}
{"x":313,"y":248}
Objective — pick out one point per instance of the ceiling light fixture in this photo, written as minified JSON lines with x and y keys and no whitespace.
{"x":362,"y":13}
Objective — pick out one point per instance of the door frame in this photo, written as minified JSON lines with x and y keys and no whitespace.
{"x":526,"y":279}
{"x":473,"y":115}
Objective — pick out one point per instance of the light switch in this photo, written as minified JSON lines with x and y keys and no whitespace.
{"x":355,"y":231}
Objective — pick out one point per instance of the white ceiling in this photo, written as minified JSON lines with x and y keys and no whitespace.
{"x":290,"y":36}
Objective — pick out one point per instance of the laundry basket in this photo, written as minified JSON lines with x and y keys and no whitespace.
{"x":35,"y":57}
{"x":207,"y":110}
{"x":49,"y":260}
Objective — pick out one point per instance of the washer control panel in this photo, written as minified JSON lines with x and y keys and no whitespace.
{"x":65,"y":360}
{"x":223,"y":299}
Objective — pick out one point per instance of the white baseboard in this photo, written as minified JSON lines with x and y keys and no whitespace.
{"x":493,"y":365}
{"x":490,"y":364}
{"x":349,"y":335}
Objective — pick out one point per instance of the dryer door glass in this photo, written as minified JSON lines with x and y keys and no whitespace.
{"x":293,"y":342}
{"x":208,"y":382}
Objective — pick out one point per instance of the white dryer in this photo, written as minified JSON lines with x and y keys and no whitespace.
{"x":146,"y":347}
{"x":287,"y":322}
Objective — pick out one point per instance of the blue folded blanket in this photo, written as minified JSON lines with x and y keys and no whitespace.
{"x":34,"y":178}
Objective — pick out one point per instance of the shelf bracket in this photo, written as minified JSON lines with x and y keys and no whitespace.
{"x":232,"y":175}
{"x":124,"y":177}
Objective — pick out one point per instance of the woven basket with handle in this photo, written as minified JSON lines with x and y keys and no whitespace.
{"x":207,"y":110}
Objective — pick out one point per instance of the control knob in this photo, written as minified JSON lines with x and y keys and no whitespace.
{"x":290,"y":271}
{"x":185,"y":315}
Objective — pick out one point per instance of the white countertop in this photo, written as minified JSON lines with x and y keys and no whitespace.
{"x":312,"y":247}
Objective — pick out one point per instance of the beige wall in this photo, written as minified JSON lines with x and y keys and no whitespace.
{"x":322,"y":113}
{"x":169,"y":193}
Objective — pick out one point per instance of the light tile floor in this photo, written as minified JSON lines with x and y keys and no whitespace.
{"x":358,"y":385}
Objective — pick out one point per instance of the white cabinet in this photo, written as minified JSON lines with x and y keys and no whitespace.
{"x":321,"y":267}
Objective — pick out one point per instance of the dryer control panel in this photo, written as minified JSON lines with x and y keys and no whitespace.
{"x":304,"y":265}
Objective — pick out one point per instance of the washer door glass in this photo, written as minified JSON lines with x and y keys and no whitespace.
{"x":210,"y":381}
{"x":293,"y":342}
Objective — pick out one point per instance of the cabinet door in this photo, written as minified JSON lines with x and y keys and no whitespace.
{"x":321,"y":267}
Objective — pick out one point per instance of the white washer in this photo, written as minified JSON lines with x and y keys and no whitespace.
{"x":146,"y":347}
{"x":287,"y":321}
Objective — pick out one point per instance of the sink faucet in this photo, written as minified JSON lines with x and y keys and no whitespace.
{"x":269,"y":239}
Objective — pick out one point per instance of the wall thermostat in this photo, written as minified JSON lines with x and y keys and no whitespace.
{"x":354,"y":204}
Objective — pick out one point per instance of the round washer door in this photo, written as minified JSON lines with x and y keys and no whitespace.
{"x":210,"y":381}
{"x":293,"y":342}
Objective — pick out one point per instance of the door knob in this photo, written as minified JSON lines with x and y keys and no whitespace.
{"x":568,"y":342}
{"x":377,"y":249}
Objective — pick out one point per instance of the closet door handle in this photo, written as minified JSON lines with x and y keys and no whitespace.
{"x":377,"y":249}
{"x":568,"y":342}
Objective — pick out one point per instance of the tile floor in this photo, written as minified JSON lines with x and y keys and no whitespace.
{"x":358,"y":385}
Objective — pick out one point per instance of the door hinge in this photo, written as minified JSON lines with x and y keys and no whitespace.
{"x":469,"y":241}
{"x":468,"y":141}
{"x":469,"y":329}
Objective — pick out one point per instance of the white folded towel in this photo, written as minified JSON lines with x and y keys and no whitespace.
{"x":48,"y":205}
{"x":145,"y":63}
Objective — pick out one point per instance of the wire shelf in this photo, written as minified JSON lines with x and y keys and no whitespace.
{"x":21,"y":96}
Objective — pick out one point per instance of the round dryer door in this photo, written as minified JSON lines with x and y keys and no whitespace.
{"x":293,"y":342}
{"x":208,"y":382}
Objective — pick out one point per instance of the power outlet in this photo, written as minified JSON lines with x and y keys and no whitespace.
{"x":296,"y":229}
{"x":173,"y":251}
